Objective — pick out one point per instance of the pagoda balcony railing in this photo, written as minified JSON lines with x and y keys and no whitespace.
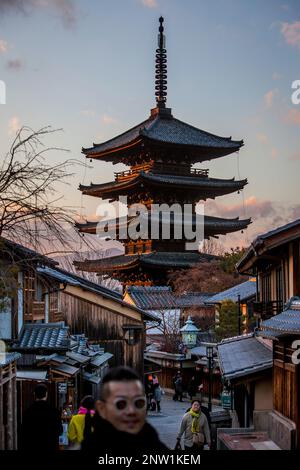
{"x":199,"y":172}
{"x":266,"y":310}
{"x":160,"y":169}
{"x":128,"y":174}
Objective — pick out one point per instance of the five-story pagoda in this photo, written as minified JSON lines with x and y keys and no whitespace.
{"x":160,"y":152}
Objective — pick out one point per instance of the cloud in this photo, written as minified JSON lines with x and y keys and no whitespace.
{"x":13,"y":125}
{"x":150,"y":3}
{"x":291,"y":33}
{"x":269,"y":97}
{"x":14,"y":64}
{"x":292,"y":117}
{"x":65,"y":9}
{"x":274,"y":153}
{"x":106,"y":119}
{"x":266,"y":215}
{"x":3,"y":46}
{"x":262,"y":138}
{"x":286,"y":7}
{"x":254,"y":208}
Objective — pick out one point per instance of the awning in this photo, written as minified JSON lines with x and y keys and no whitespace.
{"x":92,"y":378}
{"x":31,"y":374}
{"x":101,"y":359}
{"x":64,"y":369}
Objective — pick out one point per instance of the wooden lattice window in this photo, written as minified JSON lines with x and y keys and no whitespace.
{"x":33,"y":302}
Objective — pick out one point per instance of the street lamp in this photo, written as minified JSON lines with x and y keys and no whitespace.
{"x":189,"y":333}
{"x":209,"y":355}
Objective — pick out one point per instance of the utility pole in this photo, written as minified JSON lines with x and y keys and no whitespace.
{"x":239,"y":313}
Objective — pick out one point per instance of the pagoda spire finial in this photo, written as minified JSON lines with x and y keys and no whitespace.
{"x":161,"y":68}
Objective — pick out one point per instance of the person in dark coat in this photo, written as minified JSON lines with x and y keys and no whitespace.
{"x":121,"y":427}
{"x":41,"y":424}
{"x":178,"y":386}
{"x":196,"y":383}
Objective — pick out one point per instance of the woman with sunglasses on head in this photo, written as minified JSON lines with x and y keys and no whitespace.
{"x":122,"y":428}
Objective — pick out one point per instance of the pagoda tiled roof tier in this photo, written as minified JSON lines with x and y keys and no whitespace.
{"x":155,"y":260}
{"x":212,"y":225}
{"x":162,"y":130}
{"x":204,"y":186}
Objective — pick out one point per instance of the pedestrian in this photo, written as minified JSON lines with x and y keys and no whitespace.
{"x":178,"y":386}
{"x":195,"y":429}
{"x":81,"y":423}
{"x":157,"y":396}
{"x":122,"y":429}
{"x":41,"y":424}
{"x":149,"y":390}
{"x":196,"y":385}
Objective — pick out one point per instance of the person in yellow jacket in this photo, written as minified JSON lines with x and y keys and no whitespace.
{"x":81,"y":424}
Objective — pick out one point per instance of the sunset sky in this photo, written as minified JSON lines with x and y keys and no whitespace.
{"x":87,"y":66}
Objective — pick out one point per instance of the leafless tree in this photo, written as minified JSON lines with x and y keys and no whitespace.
{"x":169,"y":328}
{"x":31,"y":209}
{"x":212,"y":247}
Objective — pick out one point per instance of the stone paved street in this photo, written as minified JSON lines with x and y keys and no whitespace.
{"x":167,"y":422}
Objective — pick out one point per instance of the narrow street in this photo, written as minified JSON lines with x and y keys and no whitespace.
{"x":168,"y":421}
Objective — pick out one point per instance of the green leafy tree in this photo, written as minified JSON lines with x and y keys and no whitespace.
{"x":228,"y":320}
{"x":230,"y":259}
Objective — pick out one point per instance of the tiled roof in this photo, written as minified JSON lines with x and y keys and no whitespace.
{"x":283,"y":228}
{"x":155,"y":259}
{"x":151,"y":298}
{"x":92,"y":378}
{"x":212,"y":225}
{"x":168,"y":131}
{"x":17,"y":251}
{"x":193,"y":299}
{"x":246,"y":290}
{"x":209,"y":186}
{"x":161,"y":297}
{"x":75,"y":280}
{"x":286,"y":322}
{"x":242,"y":356}
{"x":259,"y":241}
{"x":100,"y":359}
{"x":66,"y":369}
{"x":7,"y":358}
{"x":43,"y":336}
{"x":269,"y":334}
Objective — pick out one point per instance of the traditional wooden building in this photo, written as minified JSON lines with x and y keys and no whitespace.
{"x":103,"y":316}
{"x":274,"y":258}
{"x":43,"y":293}
{"x":246,"y":368}
{"x":8,"y":401}
{"x":284,"y":330}
{"x":160,"y":152}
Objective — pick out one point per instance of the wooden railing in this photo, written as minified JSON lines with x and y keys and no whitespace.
{"x":199,"y":172}
{"x":160,"y":169}
{"x":128,"y":174}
